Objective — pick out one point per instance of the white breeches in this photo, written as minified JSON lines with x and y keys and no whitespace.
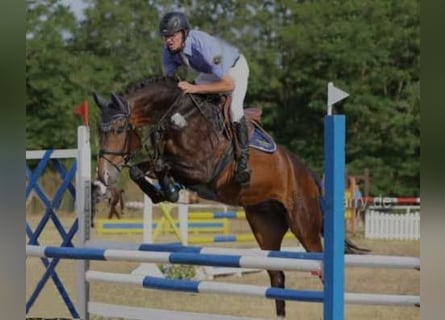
{"x":240,"y":75}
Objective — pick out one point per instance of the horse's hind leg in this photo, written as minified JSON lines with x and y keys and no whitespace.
{"x":268,"y":224}
{"x":305,"y":222}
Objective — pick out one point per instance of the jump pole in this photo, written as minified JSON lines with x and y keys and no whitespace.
{"x":334,"y":186}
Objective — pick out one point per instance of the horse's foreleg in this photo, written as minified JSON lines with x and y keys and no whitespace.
{"x":138,"y":176}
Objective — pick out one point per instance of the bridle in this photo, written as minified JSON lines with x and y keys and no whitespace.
{"x":125,"y":152}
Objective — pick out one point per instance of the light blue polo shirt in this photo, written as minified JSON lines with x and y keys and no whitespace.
{"x":205,"y":53}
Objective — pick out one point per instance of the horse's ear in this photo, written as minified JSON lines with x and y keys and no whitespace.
{"x":101,"y":102}
{"x":118,"y":101}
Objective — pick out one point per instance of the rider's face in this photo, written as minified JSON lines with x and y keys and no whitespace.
{"x":175,"y":41}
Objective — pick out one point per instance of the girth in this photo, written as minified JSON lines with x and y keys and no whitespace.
{"x":209,"y":188}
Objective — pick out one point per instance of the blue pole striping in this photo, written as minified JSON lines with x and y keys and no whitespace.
{"x":300,"y":295}
{"x":296,"y":255}
{"x":224,"y":238}
{"x":75,"y":253}
{"x":204,"y":224}
{"x":177,"y":247}
{"x":225,"y":214}
{"x":204,"y":259}
{"x":169,"y":247}
{"x":170,"y":284}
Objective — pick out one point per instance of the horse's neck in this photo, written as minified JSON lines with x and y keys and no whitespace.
{"x":197,"y":121}
{"x":149,"y":111}
{"x":179,"y":111}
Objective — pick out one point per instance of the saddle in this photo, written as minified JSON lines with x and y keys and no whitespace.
{"x":258,"y":137}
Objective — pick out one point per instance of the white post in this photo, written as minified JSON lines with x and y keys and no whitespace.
{"x":83,"y":213}
{"x":148,"y":269}
{"x":148,"y":220}
{"x":183,"y":223}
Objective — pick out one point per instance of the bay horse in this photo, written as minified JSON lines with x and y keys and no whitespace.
{"x":192,"y":145}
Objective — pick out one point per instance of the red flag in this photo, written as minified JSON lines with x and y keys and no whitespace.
{"x":82,"y":111}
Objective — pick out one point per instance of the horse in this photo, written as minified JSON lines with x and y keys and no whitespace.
{"x":191,"y":144}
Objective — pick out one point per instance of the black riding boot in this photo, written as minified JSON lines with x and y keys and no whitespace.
{"x":242,"y":171}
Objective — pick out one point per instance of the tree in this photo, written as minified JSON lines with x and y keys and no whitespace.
{"x":49,"y":94}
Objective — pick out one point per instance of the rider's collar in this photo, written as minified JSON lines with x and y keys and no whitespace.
{"x":187,"y":46}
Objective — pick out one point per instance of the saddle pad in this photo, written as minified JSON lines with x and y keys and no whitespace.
{"x":260,"y":140}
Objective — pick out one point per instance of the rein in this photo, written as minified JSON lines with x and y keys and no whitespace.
{"x":174,"y":104}
{"x":197,"y":106}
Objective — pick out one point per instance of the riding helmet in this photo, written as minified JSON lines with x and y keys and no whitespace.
{"x":173,"y":22}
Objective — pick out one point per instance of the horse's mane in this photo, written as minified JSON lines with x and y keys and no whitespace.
{"x":168,"y":80}
{"x":141,"y":84}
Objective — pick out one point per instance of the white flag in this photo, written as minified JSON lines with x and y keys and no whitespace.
{"x":335,"y":94}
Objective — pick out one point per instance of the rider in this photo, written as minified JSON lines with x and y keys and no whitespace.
{"x":221,"y":67}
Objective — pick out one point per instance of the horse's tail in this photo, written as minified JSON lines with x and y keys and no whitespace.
{"x":350,"y":247}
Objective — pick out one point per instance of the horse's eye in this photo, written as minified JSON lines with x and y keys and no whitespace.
{"x":120,"y":130}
